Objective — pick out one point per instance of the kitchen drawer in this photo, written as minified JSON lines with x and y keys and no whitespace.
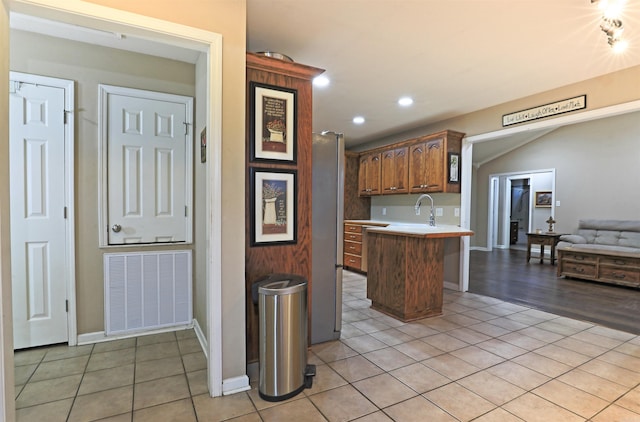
{"x":620,"y":262}
{"x":578,"y":269}
{"x":620,"y":275}
{"x":353,"y":228}
{"x":353,"y":237}
{"x":353,"y":248}
{"x":579,"y":257}
{"x":352,"y":261}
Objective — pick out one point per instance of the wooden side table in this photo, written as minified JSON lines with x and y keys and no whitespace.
{"x":543,"y":239}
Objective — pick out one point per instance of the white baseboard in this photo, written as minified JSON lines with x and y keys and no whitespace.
{"x":201,"y":338}
{"x":451,"y":286}
{"x":101,"y":336}
{"x":235,"y":385}
{"x":479,"y":248}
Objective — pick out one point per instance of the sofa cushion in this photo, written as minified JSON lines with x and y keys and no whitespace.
{"x":612,"y":225}
{"x":608,"y":248}
{"x":630,"y":239}
{"x":573,"y":238}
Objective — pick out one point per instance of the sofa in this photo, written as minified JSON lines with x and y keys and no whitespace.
{"x":606,"y":251}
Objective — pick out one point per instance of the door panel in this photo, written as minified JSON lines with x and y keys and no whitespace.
{"x":38,"y":225}
{"x":146,"y":149}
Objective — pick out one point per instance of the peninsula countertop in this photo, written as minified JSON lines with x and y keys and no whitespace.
{"x":412,"y":229}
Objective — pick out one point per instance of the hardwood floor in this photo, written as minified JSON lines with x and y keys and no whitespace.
{"x":504,"y":274}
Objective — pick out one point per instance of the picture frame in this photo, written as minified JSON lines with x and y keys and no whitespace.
{"x":203,"y":145}
{"x":273,"y":206}
{"x":273,"y":123}
{"x":454,"y":167}
{"x":543,"y":198}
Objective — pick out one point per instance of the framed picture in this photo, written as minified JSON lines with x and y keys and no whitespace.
{"x":273,"y":206}
{"x":272,"y":123}
{"x":454,"y":167}
{"x":543,"y":198}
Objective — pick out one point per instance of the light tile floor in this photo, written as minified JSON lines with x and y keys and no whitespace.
{"x":484,"y":360}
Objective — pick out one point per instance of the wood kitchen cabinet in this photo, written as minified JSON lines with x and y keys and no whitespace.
{"x":353,"y":246}
{"x":369,"y":174}
{"x":419,"y":165}
{"x":426,"y":172}
{"x":395,"y":171}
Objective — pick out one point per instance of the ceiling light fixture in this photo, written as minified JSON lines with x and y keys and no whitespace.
{"x":611,"y":24}
{"x":405,"y":101}
{"x":321,"y":81}
{"x":358,"y":120}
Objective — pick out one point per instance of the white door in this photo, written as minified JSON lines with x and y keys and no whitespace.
{"x":38,"y":225}
{"x":148,"y":167}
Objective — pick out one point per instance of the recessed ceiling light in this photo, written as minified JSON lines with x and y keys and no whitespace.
{"x":321,"y":81}
{"x":358,"y":120}
{"x":405,"y":101}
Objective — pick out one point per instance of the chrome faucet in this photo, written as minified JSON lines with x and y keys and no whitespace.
{"x":432,"y":218}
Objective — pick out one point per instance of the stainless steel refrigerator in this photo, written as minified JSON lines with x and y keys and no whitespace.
{"x":327,"y":228}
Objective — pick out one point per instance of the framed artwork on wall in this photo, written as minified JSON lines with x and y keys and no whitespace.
{"x":273,"y":206}
{"x":272,"y":127}
{"x":454,"y":167}
{"x":543,"y":198}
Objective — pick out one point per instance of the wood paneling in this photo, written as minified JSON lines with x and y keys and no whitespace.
{"x":405,"y":275}
{"x":296,"y":259}
{"x":356,"y":207}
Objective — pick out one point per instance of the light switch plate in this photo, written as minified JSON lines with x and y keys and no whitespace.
{"x":439,"y":212}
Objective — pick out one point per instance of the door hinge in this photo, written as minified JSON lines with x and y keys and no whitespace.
{"x":186,"y":211}
{"x":186,"y":127}
{"x":65,"y":113}
{"x":65,"y":213}
{"x":66,"y":305}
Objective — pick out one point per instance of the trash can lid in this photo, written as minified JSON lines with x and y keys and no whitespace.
{"x":281,"y":284}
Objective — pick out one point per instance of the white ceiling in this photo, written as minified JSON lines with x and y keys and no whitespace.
{"x":453,"y":57}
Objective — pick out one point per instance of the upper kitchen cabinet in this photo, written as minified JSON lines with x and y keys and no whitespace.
{"x":369,"y":174}
{"x":395,"y":171}
{"x":427,"y":166}
{"x":420,"y":165}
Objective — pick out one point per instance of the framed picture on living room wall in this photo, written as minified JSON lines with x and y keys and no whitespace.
{"x":543,"y":198}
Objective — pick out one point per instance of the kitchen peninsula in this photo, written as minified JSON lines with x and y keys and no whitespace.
{"x":405,"y":274}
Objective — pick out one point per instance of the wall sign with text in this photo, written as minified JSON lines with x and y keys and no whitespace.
{"x":547,"y":110}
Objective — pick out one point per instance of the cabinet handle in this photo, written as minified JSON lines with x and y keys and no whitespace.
{"x":579,"y":258}
{"x":352,"y":247}
{"x":620,"y":262}
{"x":578,"y":270}
{"x":352,"y":260}
{"x":619,"y":276}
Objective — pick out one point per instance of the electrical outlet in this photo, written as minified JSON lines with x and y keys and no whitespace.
{"x":557,"y":203}
{"x":439,"y":212}
{"x":384,"y":211}
{"x":456,"y":212}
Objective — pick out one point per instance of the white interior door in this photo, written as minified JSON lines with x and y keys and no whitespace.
{"x":38,"y":225}
{"x":148,"y":180}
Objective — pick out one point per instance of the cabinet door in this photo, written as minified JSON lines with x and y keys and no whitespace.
{"x":369,"y":174}
{"x":417,"y":168}
{"x":401,"y":170}
{"x":426,"y":167}
{"x":435,"y":166}
{"x":395,"y":171}
{"x":362,"y":176}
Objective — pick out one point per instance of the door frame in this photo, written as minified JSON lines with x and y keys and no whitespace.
{"x":209,"y":43}
{"x":69,"y":177}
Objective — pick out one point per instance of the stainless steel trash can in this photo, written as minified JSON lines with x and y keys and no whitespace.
{"x":283,"y":314}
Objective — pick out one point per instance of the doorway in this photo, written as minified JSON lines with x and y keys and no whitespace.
{"x":511,"y":211}
{"x":41,"y":145}
{"x":520,"y":213}
{"x":210,"y":45}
